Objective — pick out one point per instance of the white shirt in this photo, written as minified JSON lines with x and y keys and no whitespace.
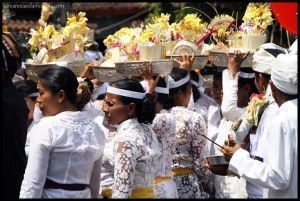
{"x":94,"y":109}
{"x":229,"y":103}
{"x":278,"y":174}
{"x":229,"y":186}
{"x":66,"y":148}
{"x":258,"y":140}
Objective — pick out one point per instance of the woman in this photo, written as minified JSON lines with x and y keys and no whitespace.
{"x":136,"y":151}
{"x":190,"y":146}
{"x":164,"y":127}
{"x":66,"y":147}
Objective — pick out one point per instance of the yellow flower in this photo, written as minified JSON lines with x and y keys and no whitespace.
{"x":258,"y":14}
{"x":255,"y":109}
{"x":191,"y":27}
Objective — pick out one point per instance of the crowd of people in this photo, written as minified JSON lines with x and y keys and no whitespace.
{"x":147,"y":136}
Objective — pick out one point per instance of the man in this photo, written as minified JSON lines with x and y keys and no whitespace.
{"x":238,"y":85}
{"x":278,"y":173}
{"x":14,"y":121}
{"x":262,"y":59}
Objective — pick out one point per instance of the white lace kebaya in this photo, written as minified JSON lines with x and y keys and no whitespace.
{"x":190,"y":152}
{"x":164,"y":126}
{"x":136,"y":157}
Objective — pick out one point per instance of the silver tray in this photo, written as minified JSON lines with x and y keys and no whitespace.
{"x":33,"y":70}
{"x":216,"y":160}
{"x":219,"y":58}
{"x":199,"y":62}
{"x":77,"y":67}
{"x":106,"y":74}
{"x":131,"y":68}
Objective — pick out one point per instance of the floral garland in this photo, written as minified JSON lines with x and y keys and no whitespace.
{"x":256,"y":107}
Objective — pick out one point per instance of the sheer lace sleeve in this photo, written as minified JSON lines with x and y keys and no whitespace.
{"x":125,"y":163}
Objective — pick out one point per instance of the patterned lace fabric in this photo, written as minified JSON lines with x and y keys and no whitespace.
{"x":164,"y":126}
{"x":137,"y":153}
{"x":190,"y":151}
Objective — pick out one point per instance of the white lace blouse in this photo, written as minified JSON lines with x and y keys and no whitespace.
{"x":164,"y":125}
{"x":66,"y":148}
{"x":191,"y":148}
{"x":136,"y":157}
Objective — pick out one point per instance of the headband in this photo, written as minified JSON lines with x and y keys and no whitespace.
{"x":246,"y":75}
{"x":174,"y":84}
{"x":126,"y":93}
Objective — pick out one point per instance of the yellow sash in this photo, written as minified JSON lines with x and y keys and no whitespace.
{"x":182,"y":171}
{"x":159,"y":179}
{"x":136,"y":193}
{"x":106,"y":193}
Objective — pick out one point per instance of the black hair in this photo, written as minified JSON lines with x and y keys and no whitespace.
{"x":178,"y":74}
{"x":62,"y":78}
{"x":26,"y":87}
{"x":251,"y":81}
{"x":101,"y":97}
{"x":286,"y":96}
{"x":145,"y":107}
{"x":266,"y":76}
{"x":196,"y":93}
{"x":93,"y":47}
{"x":163,"y":99}
{"x":90,"y":84}
{"x":243,"y":81}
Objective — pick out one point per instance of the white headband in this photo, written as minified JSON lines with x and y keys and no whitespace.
{"x":36,"y":94}
{"x":126,"y":93}
{"x":162,"y":90}
{"x":173,"y":84}
{"x":246,"y":75}
{"x":194,"y":83}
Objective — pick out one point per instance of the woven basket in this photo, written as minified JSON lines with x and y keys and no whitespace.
{"x":131,"y":68}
